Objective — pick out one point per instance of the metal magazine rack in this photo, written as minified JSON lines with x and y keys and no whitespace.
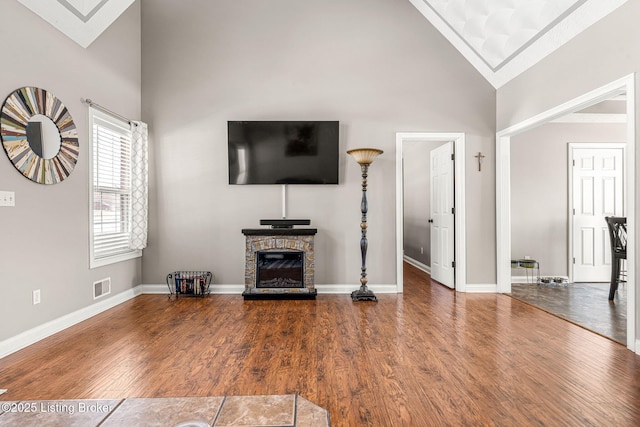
{"x":189,"y":283}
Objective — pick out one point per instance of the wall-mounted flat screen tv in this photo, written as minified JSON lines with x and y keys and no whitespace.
{"x":281,"y":152}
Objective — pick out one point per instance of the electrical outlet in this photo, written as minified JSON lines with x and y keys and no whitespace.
{"x":36,"y":297}
{"x":7,"y":198}
{"x":527,"y":257}
{"x":421,"y":251}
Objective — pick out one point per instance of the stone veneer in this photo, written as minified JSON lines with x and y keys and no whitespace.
{"x":279,"y":240}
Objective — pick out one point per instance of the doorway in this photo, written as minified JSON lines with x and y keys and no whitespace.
{"x":503,"y":184}
{"x":596,"y":190}
{"x":458,"y":143}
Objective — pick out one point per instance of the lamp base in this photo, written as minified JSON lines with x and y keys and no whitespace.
{"x":363,"y":295}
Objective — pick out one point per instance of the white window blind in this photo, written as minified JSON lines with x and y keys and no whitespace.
{"x":111,"y":189}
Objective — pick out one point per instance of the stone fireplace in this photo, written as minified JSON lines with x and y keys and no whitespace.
{"x":279,"y":263}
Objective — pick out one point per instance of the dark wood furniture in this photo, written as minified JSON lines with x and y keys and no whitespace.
{"x":618,"y":239}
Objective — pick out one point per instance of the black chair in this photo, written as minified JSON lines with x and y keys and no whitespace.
{"x":618,"y":238}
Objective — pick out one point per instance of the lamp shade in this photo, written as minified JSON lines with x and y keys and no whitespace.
{"x":365,"y":156}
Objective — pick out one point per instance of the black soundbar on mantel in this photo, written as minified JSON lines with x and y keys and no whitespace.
{"x":284,"y":223}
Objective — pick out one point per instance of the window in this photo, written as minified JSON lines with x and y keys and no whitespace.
{"x":111,"y":189}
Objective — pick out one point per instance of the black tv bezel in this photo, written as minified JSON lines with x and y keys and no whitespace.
{"x":337,"y":168}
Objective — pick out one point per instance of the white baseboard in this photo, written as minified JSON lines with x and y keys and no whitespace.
{"x":348,"y":288}
{"x":33,"y":335}
{"x":417,"y":264}
{"x":227,"y":289}
{"x":523,"y":279}
{"x":482,"y":288}
{"x":215,"y":289}
{"x":154,"y":289}
{"x":238,"y":289}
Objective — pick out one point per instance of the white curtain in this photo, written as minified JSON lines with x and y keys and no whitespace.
{"x":139,"y":185}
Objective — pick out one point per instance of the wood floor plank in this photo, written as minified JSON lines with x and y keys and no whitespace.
{"x":429,"y":356}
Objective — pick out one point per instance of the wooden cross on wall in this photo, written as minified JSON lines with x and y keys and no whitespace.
{"x":479,"y":156}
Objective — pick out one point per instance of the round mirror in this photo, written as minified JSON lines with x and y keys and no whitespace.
{"x":39,"y":135}
{"x":43,"y":136}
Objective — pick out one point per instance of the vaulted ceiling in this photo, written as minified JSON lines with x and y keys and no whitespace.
{"x":503,"y":38}
{"x":81,"y":20}
{"x":500,"y":38}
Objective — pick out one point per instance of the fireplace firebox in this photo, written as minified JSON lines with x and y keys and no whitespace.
{"x":280,"y":269}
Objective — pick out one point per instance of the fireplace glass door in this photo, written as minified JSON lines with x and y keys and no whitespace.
{"x":280,"y":269}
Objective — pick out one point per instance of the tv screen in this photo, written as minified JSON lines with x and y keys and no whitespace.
{"x":279,"y":152}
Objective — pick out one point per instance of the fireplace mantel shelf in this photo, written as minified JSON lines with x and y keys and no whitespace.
{"x":279,"y":231}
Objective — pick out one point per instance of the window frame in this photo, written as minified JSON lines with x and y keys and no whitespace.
{"x":121,"y":256}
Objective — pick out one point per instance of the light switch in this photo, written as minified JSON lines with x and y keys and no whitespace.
{"x":7,"y":198}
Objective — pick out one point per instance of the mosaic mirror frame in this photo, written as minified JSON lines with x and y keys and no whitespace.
{"x":19,"y":107}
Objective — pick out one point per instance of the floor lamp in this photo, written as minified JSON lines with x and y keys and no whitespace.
{"x":364,"y":157}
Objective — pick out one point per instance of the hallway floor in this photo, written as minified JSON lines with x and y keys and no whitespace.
{"x":585,"y":304}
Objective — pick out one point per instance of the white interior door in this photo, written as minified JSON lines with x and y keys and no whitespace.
{"x":442,"y":215}
{"x":597,"y":187}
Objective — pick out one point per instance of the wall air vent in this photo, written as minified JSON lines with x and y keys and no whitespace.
{"x":101,"y":288}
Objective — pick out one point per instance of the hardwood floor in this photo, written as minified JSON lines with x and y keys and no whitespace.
{"x":427,"y":357}
{"x":585,"y":304}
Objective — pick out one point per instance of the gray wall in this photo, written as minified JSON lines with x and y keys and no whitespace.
{"x":44,"y":238}
{"x":603,"y":53}
{"x":377,"y":66}
{"x":417,"y":199}
{"x":539,"y":190}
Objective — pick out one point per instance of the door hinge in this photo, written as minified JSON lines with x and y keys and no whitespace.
{"x":453,"y":156}
{"x":574,"y":162}
{"x":453,"y":211}
{"x":574,"y":211}
{"x":453,"y":264}
{"x":574,"y":260}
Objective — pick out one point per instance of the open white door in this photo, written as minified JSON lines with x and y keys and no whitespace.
{"x":597,"y":187}
{"x":442,"y":215}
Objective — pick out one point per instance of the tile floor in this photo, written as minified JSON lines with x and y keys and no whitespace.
{"x":237,"y":411}
{"x":585,"y":304}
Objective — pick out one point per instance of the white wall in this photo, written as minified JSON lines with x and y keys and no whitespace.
{"x":539,"y":190}
{"x":44,"y":238}
{"x":603,"y":53}
{"x":377,"y":66}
